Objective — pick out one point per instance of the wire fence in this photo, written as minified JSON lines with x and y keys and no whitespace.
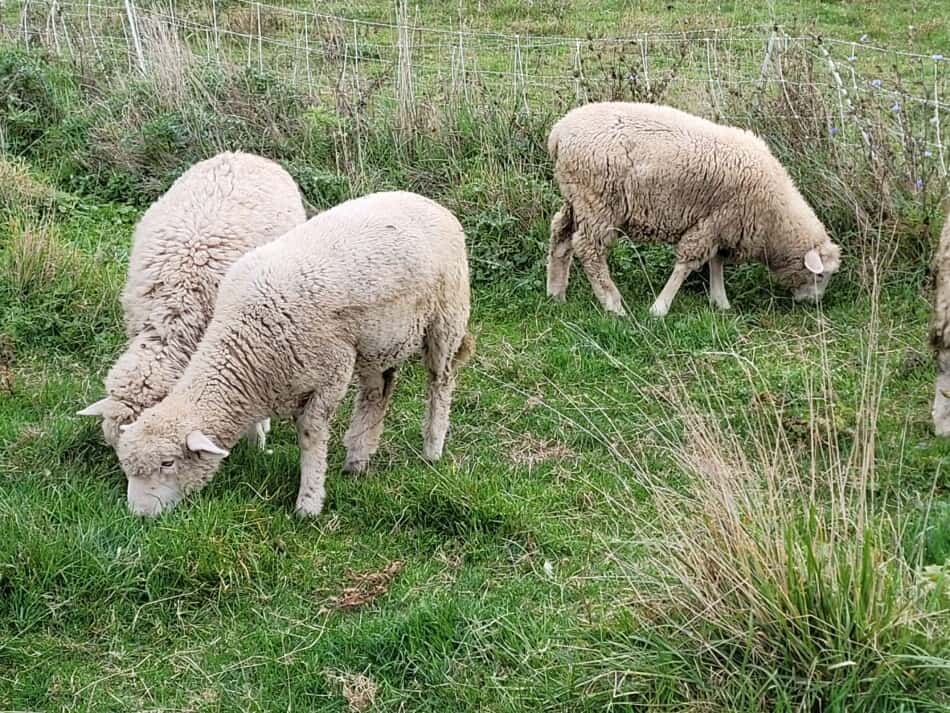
{"x":725,"y":73}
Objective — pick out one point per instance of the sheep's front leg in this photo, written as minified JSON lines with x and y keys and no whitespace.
{"x":313,"y":433}
{"x":366,"y":424}
{"x":662,"y":305}
{"x":717,"y":284}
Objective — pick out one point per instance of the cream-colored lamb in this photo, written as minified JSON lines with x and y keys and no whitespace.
{"x":940,"y":333}
{"x":356,"y":290}
{"x":656,"y":173}
{"x":215,"y":212}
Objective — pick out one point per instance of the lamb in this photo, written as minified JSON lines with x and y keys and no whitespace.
{"x":218,"y":210}
{"x":940,"y":333}
{"x":657,"y":173}
{"x":356,"y":290}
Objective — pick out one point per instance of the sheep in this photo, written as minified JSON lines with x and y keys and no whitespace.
{"x":657,"y":173}
{"x":355,"y":290}
{"x":215,"y":212}
{"x":940,"y":333}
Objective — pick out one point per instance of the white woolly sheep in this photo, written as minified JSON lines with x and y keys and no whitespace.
{"x":657,"y":173}
{"x":940,"y":333}
{"x":215,"y":212}
{"x":357,"y":289}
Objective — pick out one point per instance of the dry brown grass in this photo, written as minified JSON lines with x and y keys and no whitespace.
{"x":19,"y":190}
{"x":365,"y":587}
{"x":357,"y":689}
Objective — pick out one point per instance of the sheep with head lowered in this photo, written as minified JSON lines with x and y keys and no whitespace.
{"x":356,"y":290}
{"x":214,"y":213}
{"x":656,"y":173}
{"x":940,"y":333}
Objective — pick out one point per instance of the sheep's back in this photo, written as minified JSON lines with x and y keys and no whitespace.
{"x":366,"y":252}
{"x":213,"y":214}
{"x":656,"y":169}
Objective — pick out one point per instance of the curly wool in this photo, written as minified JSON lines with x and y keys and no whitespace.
{"x":940,"y":321}
{"x":940,"y":332}
{"x":656,"y":173}
{"x":356,"y":290}
{"x":213,"y":214}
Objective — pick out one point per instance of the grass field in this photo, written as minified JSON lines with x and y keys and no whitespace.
{"x":717,"y":511}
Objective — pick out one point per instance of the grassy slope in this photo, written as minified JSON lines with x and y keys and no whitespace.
{"x":227,"y":602}
{"x":915,"y":24}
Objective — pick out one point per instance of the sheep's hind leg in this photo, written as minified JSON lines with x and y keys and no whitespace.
{"x":560,"y":253}
{"x":257,"y":433}
{"x":313,"y":432}
{"x":717,"y":283}
{"x":592,"y":254}
{"x":366,"y":424}
{"x":444,"y":354}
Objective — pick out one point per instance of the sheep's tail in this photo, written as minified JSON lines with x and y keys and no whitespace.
{"x":464,"y":352}
{"x":553,"y":138}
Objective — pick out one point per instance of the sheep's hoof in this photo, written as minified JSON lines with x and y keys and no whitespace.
{"x":558,"y":296}
{"x":431,"y":453}
{"x":308,"y":508}
{"x":722,"y":306}
{"x":355,"y":465}
{"x":659,"y":309}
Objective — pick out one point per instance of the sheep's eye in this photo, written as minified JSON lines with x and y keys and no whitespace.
{"x":167,"y":463}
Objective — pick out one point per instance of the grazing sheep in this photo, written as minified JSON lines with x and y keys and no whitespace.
{"x":357,"y":289}
{"x":940,"y":334}
{"x":215,"y":212}
{"x":656,"y":173}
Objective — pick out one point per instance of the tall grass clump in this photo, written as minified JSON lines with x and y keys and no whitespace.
{"x":53,"y":296}
{"x":775,"y":579}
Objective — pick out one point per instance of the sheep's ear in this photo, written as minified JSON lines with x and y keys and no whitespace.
{"x":96,"y":409}
{"x":200,"y":443}
{"x":813,"y":262}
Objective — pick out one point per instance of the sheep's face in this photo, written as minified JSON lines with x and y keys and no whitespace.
{"x":164,"y":459}
{"x":114,"y":413}
{"x":941,"y":407}
{"x":818,"y":264}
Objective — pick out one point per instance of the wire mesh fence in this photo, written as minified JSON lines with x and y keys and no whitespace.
{"x":864,"y":97}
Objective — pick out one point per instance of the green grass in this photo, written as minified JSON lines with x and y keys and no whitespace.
{"x":558,"y":556}
{"x":226,"y":602}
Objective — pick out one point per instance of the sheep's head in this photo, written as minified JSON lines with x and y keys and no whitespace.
{"x":799,"y":253}
{"x":114,"y":414}
{"x":165,"y":458}
{"x":941,"y":407}
{"x":817,"y":265}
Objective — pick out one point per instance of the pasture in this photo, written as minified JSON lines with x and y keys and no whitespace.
{"x":742,"y":510}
